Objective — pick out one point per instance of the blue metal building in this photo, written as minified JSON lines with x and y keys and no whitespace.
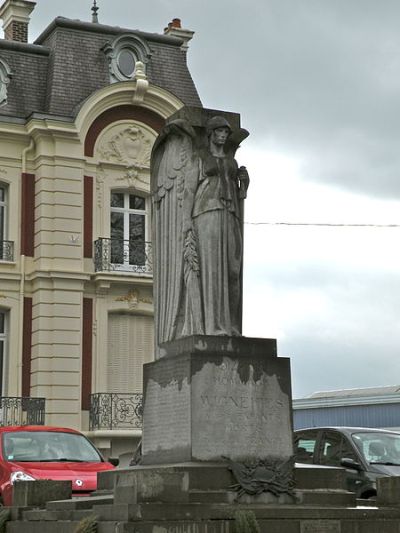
{"x":369,"y":407}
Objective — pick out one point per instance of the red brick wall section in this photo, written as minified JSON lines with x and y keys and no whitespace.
{"x":87,"y":346}
{"x":88,"y":216}
{"x":122,"y":112}
{"x":27,"y":347}
{"x":17,"y":31}
{"x":27,"y":214}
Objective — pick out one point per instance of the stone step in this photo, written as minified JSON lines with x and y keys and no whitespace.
{"x":330,"y":498}
{"x":319,"y":477}
{"x":79,"y":503}
{"x":62,"y":526}
{"x":36,"y":515}
{"x":212,"y":496}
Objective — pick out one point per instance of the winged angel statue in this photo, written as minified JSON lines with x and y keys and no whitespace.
{"x":198,"y":192}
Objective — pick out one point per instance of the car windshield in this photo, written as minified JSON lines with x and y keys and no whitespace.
{"x":379,"y":447}
{"x":48,"y":446}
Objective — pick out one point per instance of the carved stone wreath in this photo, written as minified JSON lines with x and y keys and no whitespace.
{"x":263,"y":475}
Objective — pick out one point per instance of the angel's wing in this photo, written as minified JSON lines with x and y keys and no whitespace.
{"x":173,"y":170}
{"x":171,"y":158}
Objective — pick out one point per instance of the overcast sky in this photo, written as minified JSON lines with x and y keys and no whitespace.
{"x":317,"y":83}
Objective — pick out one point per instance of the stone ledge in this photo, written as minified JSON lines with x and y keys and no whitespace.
{"x":223,"y":345}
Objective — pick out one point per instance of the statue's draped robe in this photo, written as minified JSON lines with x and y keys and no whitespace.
{"x":197,"y":238}
{"x":216,"y":216}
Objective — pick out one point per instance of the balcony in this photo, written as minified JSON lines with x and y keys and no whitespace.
{"x":16,"y":411}
{"x":6,"y":251}
{"x":114,"y":255}
{"x":110,"y":410}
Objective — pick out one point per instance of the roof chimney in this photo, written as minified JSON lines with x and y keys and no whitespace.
{"x":15,"y":15}
{"x":175,"y":29}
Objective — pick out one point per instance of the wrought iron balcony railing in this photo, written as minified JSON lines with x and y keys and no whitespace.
{"x":124,"y":256}
{"x":111,"y":410}
{"x":16,"y":411}
{"x":6,"y":251}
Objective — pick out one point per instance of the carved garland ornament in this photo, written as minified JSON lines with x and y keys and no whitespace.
{"x":133,"y":299}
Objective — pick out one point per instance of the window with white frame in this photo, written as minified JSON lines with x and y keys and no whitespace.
{"x":3,"y":347}
{"x":128,"y":231}
{"x":130,"y":345}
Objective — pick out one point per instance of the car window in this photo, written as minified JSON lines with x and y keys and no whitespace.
{"x":378,"y":447}
{"x":49,"y":446}
{"x":334,"y":447}
{"x":305,"y":445}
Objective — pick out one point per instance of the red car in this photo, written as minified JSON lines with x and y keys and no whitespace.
{"x":42,"y":452}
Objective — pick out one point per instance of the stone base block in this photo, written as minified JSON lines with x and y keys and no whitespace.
{"x":388,"y":490}
{"x":216,"y":397}
{"x":38,"y":493}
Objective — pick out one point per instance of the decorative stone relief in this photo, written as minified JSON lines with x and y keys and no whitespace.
{"x":100,"y":177}
{"x":133,"y":299}
{"x":130,"y":146}
{"x":5,"y":77}
{"x":132,"y":177}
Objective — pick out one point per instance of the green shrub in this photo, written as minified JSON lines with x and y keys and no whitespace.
{"x":246,"y":522}
{"x":4,"y":518}
{"x":87,"y":525}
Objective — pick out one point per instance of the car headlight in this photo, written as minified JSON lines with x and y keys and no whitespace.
{"x":20,"y":476}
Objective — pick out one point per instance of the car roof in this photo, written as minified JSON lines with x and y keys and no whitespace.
{"x":348,"y":429}
{"x":8,"y":429}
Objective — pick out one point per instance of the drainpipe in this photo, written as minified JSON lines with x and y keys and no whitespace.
{"x":22,"y":287}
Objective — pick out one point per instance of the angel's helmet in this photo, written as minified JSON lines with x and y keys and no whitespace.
{"x":217,"y":122}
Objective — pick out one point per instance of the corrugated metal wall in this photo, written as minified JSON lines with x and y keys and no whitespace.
{"x":384,"y":415}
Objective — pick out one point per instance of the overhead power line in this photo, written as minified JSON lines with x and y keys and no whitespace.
{"x":323,"y":224}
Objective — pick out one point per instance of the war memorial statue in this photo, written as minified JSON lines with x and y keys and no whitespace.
{"x":198,"y":192}
{"x":211,"y":395}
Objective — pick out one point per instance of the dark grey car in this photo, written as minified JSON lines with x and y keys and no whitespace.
{"x":365,"y":453}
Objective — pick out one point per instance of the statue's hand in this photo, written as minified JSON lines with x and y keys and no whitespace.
{"x":244,"y":180}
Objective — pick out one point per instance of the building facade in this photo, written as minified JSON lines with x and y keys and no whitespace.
{"x":372,"y":407}
{"x":80,"y":109}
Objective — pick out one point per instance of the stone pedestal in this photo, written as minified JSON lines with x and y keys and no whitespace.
{"x":210,"y":398}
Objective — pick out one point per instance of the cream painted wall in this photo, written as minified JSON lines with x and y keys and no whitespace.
{"x":58,"y":277}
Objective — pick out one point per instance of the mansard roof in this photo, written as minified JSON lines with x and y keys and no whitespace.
{"x":67,"y":63}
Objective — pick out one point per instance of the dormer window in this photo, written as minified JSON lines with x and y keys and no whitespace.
{"x":123,"y":54}
{"x":126,"y":62}
{"x":5,"y":77}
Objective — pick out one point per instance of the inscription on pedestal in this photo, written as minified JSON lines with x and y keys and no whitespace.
{"x":167,"y":416}
{"x":232,"y":399}
{"x":210,"y":406}
{"x":320,"y":526}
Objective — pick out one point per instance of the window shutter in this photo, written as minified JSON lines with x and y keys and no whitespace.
{"x":130,"y":344}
